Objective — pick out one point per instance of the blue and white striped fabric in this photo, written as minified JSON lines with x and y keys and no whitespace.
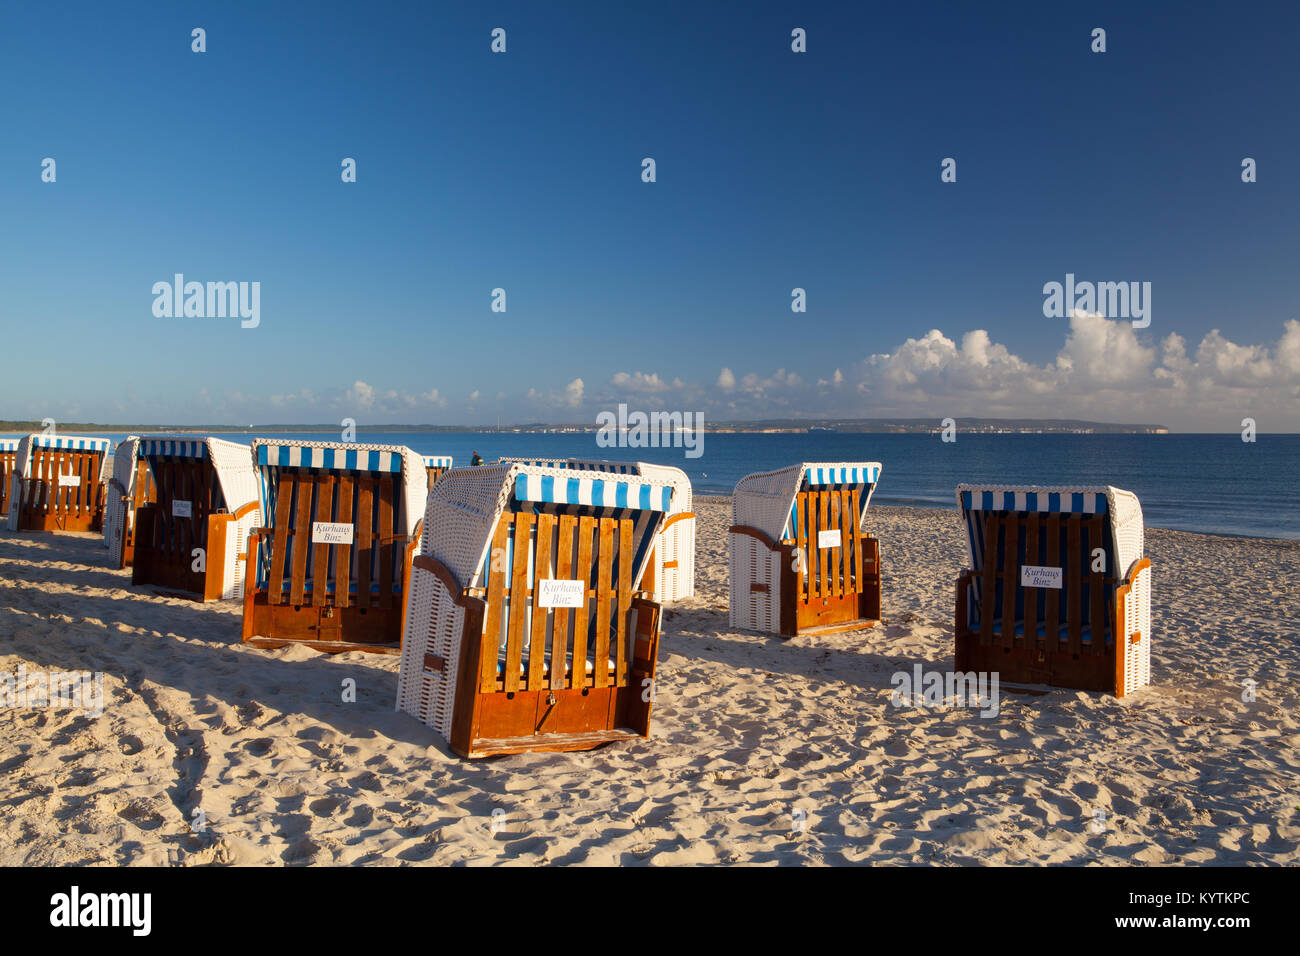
{"x":865,"y":474}
{"x":335,"y":459}
{"x":594,"y":492}
{"x":974,"y":501}
{"x":1050,"y":502}
{"x":612,"y":467}
{"x":70,"y":443}
{"x":172,"y":448}
{"x":8,"y":444}
{"x":437,"y":461}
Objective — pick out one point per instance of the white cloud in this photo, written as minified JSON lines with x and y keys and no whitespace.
{"x":573,"y":392}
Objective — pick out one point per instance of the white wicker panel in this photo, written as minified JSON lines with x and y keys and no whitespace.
{"x":434,"y":624}
{"x":118,"y":514}
{"x":235,"y":563}
{"x":763,"y":500}
{"x":1137,"y":617}
{"x":233,"y":464}
{"x":461,"y":513}
{"x":676,"y":543}
{"x":752,"y":563}
{"x":1126,"y":527}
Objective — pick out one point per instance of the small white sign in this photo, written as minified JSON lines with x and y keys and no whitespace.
{"x":1032,"y":576}
{"x":556,"y":593}
{"x":828,"y":539}
{"x":182,"y":509}
{"x":69,"y":481}
{"x":331,"y":532}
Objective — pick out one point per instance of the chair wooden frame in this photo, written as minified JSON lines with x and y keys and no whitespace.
{"x":821,"y":575}
{"x":498,"y":670}
{"x":189,"y":541}
{"x":294,"y":572}
{"x":1093,"y":632}
{"x":58,"y":484}
{"x":8,"y":459}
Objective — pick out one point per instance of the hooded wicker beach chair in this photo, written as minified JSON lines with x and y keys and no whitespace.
{"x":1058,"y":592}
{"x":671,"y":572}
{"x":800,"y":561}
{"x":192,"y":538}
{"x":58,"y":484}
{"x":8,"y":456}
{"x":332,"y":569}
{"x":434,"y":466}
{"x":130,"y":488}
{"x":524,"y":627}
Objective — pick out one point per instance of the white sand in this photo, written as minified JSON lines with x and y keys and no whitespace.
{"x":749,"y":732}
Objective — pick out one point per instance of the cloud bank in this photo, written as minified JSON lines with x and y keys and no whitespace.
{"x":1105,"y":370}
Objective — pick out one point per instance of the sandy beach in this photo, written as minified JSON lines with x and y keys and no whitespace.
{"x":764,"y":751}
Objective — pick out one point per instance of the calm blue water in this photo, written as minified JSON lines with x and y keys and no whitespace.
{"x":1209,"y":483}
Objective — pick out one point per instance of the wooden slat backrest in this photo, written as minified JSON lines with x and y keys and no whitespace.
{"x":1097,"y":584}
{"x":528,"y":548}
{"x":564,"y":571}
{"x":175,"y":537}
{"x":320,"y":564}
{"x":1011,"y":577}
{"x":999,"y":580}
{"x":280,"y":537}
{"x":387,"y":541}
{"x":343,"y":552}
{"x":322,"y":574}
{"x":1031,"y":594}
{"x":1073,"y":595}
{"x":989,"y":577}
{"x":301,"y":538}
{"x":365,"y":537}
{"x":833,"y":571}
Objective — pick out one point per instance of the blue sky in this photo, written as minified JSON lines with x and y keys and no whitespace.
{"x":775,"y":170}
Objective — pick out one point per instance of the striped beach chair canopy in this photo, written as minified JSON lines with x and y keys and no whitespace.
{"x":673,"y":476}
{"x":1122,"y":509}
{"x":230,"y":460}
{"x":465,"y":505}
{"x":766,"y":500}
{"x":337,"y":457}
{"x":8,"y":444}
{"x":437,"y":461}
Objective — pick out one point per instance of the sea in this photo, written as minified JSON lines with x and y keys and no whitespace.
{"x":1215,"y":484}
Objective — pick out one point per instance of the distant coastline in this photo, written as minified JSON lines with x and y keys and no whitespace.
{"x":854,"y":426}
